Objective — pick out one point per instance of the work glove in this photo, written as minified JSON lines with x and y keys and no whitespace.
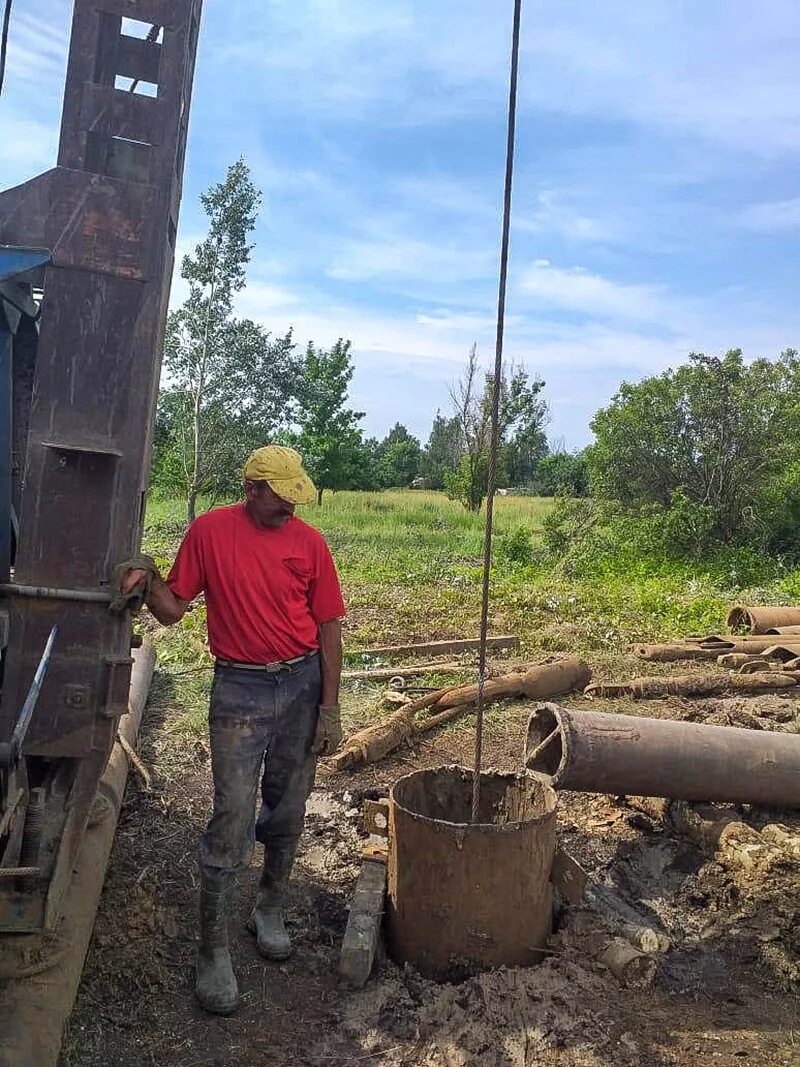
{"x":133,"y":600}
{"x":329,"y":731}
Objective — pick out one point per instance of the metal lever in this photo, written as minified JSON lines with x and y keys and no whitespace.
{"x":9,"y":751}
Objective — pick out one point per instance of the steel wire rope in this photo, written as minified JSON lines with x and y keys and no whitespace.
{"x":494,"y":442}
{"x":4,"y":42}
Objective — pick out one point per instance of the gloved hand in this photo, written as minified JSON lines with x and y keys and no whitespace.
{"x":132,"y":599}
{"x":329,"y":731}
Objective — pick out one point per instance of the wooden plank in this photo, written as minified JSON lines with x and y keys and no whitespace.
{"x":360,"y":942}
{"x":437,"y":647}
{"x":384,"y":673}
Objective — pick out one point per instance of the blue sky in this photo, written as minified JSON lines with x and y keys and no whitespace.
{"x":656,"y":203}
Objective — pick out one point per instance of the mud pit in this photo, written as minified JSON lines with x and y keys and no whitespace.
{"x":725,"y":993}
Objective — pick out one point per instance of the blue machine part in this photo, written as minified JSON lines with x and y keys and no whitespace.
{"x":14,"y":261}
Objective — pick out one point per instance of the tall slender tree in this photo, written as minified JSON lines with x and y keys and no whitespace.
{"x":207,"y":349}
{"x":522,"y":412}
{"x":329,"y":435}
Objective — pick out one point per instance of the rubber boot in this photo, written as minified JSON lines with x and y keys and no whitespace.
{"x":266,"y":918}
{"x":215,"y":986}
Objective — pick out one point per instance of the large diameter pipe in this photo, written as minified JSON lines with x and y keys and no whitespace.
{"x":466,"y":896}
{"x":37,"y":998}
{"x":592,"y":752}
{"x":760,"y":620}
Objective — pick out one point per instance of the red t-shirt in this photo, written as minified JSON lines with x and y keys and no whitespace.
{"x":267,"y":589}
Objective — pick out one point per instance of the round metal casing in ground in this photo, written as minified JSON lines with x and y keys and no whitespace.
{"x":467,"y":897}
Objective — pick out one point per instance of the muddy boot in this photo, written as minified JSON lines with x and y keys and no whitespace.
{"x":266,"y":919}
{"x":215,"y":986}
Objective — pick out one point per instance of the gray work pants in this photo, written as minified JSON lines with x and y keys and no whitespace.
{"x":262,"y":726}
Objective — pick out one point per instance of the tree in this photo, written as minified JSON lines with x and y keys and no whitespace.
{"x":521,"y":418}
{"x":329,"y":436}
{"x":443,"y":450}
{"x":400,"y":456}
{"x":231,"y":381}
{"x":562,"y":472}
{"x":527,"y":447}
{"x":250,"y":407}
{"x":715,"y":434}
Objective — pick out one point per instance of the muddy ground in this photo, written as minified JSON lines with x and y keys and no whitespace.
{"x":725,"y":992}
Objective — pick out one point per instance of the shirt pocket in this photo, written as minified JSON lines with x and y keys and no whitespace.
{"x":299,"y":570}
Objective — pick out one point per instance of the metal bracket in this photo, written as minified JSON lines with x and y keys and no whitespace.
{"x":118,"y":683}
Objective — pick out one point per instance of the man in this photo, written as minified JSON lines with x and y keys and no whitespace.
{"x":274,"y":607}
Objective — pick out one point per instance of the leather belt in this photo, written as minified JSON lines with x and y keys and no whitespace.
{"x":267,"y":668}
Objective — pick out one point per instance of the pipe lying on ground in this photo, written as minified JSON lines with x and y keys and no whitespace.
{"x":761,"y":620}
{"x":37,"y":1004}
{"x":632,"y":969}
{"x":713,"y":646}
{"x":674,"y":652}
{"x":537,"y":682}
{"x":734,"y":661}
{"x":692,"y":685}
{"x":625,"y":754}
{"x":752,"y":643}
{"x":376,"y":741}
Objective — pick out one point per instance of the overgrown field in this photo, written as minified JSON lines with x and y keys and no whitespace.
{"x":410,"y":563}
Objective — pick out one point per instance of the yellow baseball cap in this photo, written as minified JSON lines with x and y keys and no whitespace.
{"x":282,"y":469}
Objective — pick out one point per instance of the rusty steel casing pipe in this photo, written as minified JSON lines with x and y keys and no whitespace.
{"x":593,"y":752}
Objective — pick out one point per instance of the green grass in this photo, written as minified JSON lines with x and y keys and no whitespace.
{"x":410,"y":564}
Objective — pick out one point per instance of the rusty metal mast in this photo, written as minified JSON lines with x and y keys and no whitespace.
{"x":84,"y":394}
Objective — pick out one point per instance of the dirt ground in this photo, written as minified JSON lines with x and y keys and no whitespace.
{"x":724,"y":994}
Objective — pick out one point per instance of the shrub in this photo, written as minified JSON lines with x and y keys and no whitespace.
{"x":517,"y":546}
{"x":706,"y":454}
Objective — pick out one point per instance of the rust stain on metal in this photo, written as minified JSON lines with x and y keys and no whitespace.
{"x":466,"y":897}
{"x":107,"y":213}
{"x":633,"y":755}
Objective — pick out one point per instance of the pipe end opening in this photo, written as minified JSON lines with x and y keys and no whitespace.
{"x":444,"y":795}
{"x":544,"y":743}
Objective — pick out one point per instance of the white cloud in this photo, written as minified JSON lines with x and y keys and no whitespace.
{"x":721,"y":71}
{"x":411,"y":258}
{"x":575,"y":289}
{"x":554,"y":214}
{"x":260,"y":297}
{"x":772,"y":217}
{"x":37,"y":48}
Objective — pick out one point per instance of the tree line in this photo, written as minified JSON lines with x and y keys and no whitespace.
{"x":230,"y":385}
{"x":699,"y":457}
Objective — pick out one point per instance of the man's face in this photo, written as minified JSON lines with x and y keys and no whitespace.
{"x":265,"y":506}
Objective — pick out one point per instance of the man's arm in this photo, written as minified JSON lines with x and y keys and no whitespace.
{"x":162,"y":602}
{"x":330,"y":650}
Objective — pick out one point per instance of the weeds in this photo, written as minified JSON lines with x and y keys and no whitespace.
{"x":410,"y":564}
